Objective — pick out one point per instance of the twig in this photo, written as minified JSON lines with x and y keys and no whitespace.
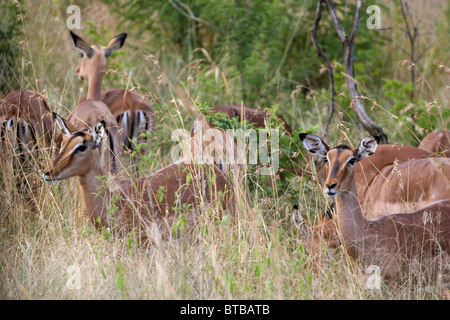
{"x":189,"y":13}
{"x":337,"y":24}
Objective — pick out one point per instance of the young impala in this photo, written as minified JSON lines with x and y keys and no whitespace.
{"x":161,"y":198}
{"x":401,"y":245}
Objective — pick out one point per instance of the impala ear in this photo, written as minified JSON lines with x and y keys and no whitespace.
{"x":314,"y":144}
{"x":82,"y":45}
{"x":115,"y":44}
{"x":366,"y":148}
{"x":98,"y":133}
{"x":65,"y":126}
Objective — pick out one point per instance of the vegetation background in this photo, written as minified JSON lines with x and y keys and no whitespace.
{"x":204,"y":52}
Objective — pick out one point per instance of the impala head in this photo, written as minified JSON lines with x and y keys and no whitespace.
{"x":340,"y":161}
{"x":79,"y":150}
{"x":94,"y":57}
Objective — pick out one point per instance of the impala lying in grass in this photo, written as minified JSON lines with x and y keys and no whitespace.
{"x":416,"y":244}
{"x":437,"y":142}
{"x":172,"y":193}
{"x":395,"y":179}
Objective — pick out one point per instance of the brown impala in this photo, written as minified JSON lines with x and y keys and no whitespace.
{"x":89,"y":112}
{"x":415,"y":244}
{"x":26,"y":114}
{"x":142,"y":203}
{"x":132,"y":111}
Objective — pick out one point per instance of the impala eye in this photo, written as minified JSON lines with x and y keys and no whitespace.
{"x":81,"y":54}
{"x":351,"y":161}
{"x":81,"y":148}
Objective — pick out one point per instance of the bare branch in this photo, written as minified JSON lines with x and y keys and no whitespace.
{"x":356,"y":22}
{"x":413,"y":34}
{"x":403,"y":50}
{"x":405,"y":18}
{"x":337,"y":24}
{"x":425,"y":51}
{"x":321,"y":54}
{"x":352,"y":88}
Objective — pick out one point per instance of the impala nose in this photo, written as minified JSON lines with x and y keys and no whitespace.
{"x":47,"y":177}
{"x":331,"y":186}
{"x":329,"y":190}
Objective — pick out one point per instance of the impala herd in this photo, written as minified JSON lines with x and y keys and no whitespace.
{"x":392,"y":201}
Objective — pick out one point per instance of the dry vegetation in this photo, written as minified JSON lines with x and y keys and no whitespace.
{"x":257,"y":255}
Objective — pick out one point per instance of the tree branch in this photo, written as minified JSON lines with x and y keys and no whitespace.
{"x":337,"y":24}
{"x":321,"y":54}
{"x":352,"y":88}
{"x":411,"y":31}
{"x":355,"y":24}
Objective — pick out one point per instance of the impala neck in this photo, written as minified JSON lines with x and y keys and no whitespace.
{"x":350,"y":220}
{"x":96,"y":195}
{"x":95,"y":83}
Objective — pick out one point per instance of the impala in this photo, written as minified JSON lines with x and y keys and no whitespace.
{"x":27,"y":112}
{"x":437,"y":142}
{"x":207,"y":144}
{"x":228,"y":148}
{"x":132,"y":111}
{"x":368,"y":168}
{"x":257,"y":117}
{"x":407,"y":186}
{"x":154,"y":199}
{"x":89,"y":112}
{"x":415,"y":244}
{"x":397,"y":178}
{"x":391,"y":165}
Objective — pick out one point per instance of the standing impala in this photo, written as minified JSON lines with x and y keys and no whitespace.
{"x":161,"y":198}
{"x":89,"y":112}
{"x":132,"y":111}
{"x":416,"y":244}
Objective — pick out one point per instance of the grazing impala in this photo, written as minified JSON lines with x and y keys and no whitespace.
{"x":89,"y":112}
{"x":416,"y":244}
{"x":159,"y":198}
{"x":132,"y":111}
{"x":437,"y":142}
